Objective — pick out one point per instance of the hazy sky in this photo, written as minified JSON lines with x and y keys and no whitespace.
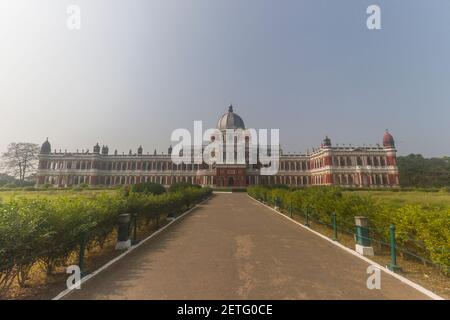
{"x":139,"y":69}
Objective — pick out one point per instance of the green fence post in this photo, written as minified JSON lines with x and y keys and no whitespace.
{"x":333,"y":222}
{"x":393,"y":265}
{"x":83,"y":241}
{"x":362,"y":236}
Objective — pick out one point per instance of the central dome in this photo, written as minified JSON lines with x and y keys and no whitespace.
{"x":230,"y":120}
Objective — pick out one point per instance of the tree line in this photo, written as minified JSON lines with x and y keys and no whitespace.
{"x":417,"y":171}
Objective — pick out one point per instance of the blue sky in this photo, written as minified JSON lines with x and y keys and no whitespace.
{"x":139,"y":69}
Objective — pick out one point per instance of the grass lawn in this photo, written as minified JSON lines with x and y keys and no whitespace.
{"x":401,"y":198}
{"x":8,"y":195}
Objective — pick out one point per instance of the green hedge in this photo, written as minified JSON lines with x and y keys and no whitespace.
{"x":421,"y":230}
{"x":230,"y":189}
{"x":47,"y":230}
{"x":148,"y":187}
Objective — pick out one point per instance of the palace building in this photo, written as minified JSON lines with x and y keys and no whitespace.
{"x":347,"y":166}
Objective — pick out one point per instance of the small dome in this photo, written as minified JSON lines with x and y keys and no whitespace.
{"x":388,"y":140}
{"x":230,"y":120}
{"x":46,"y":147}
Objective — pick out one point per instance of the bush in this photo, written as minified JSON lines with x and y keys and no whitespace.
{"x":231,"y":189}
{"x":148,"y":188}
{"x":10,"y":186}
{"x":29,"y":189}
{"x":179,"y":186}
{"x":444,"y":190}
{"x":47,"y":186}
{"x":48,"y":230}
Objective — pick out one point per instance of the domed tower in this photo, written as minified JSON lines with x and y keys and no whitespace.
{"x":232,"y":159}
{"x":46,"y":148}
{"x":327,"y":159}
{"x":140,"y":150}
{"x":43,"y":161}
{"x":391,"y":159}
{"x":388,"y":140}
{"x":230,"y":120}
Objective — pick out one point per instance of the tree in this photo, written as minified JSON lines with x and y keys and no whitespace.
{"x":417,"y":171}
{"x":20,"y":159}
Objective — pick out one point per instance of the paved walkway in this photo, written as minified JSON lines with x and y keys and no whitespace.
{"x":235,"y":248}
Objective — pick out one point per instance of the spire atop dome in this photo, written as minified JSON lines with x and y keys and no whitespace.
{"x":230,"y":108}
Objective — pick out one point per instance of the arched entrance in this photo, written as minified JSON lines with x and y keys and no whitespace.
{"x":230,"y":181}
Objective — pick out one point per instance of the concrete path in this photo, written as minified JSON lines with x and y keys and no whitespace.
{"x":235,"y":248}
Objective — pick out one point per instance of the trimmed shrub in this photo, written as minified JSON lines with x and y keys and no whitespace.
{"x":179,"y":186}
{"x":148,"y":188}
{"x":30,"y":188}
{"x":48,"y":230}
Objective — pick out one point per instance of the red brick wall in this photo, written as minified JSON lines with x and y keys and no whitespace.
{"x":391,"y":160}
{"x":392,"y":179}
{"x":238,"y":175}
